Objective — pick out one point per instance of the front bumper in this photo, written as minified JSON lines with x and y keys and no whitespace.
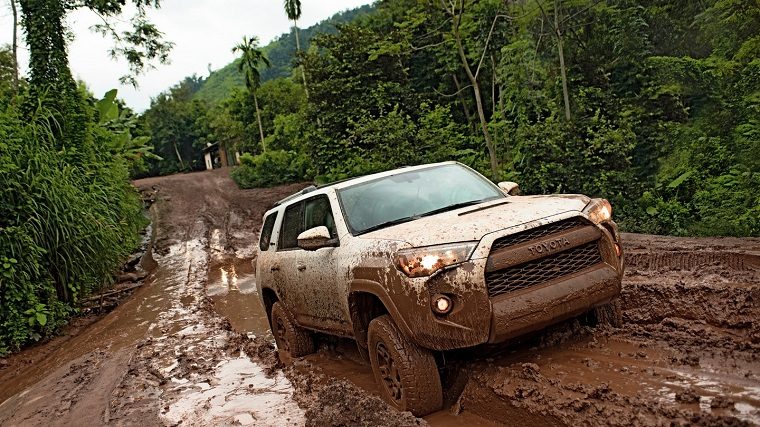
{"x":478,"y":318}
{"x":541,"y":306}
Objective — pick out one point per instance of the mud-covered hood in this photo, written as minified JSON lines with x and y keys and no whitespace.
{"x":473,"y":222}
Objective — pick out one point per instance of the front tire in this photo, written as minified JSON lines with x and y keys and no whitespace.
{"x":406,"y":373}
{"x":292,"y":340}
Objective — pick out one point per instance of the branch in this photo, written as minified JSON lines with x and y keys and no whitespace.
{"x":414,"y":48}
{"x":488,"y":39}
{"x":453,"y":94}
{"x":580,"y":11}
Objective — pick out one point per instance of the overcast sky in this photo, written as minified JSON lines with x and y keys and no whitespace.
{"x":204,"y":32}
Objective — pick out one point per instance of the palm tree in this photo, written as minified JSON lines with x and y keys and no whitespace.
{"x":293,"y":10}
{"x":251,"y":57}
{"x":15,"y":45}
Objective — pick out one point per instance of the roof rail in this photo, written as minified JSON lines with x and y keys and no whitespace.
{"x":306,"y":190}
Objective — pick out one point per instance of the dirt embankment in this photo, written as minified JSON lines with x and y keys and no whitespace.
{"x":192,"y":346}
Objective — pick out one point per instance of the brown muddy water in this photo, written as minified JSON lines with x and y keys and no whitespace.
{"x":232,"y":287}
{"x":192,"y":345}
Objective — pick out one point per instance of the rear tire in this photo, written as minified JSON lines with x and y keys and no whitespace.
{"x":610,"y":314}
{"x":292,"y":340}
{"x":405,"y":372}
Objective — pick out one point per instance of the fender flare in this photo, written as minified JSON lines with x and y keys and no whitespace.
{"x":376,"y":289}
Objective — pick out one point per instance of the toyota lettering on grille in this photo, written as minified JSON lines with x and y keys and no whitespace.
{"x":550,"y":246}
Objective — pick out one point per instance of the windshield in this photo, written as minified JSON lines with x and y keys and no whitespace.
{"x":409,"y":195}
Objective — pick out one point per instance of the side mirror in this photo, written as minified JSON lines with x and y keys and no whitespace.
{"x":510,"y":187}
{"x":316,"y":238}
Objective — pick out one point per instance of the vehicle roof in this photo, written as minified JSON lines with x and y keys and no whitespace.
{"x":312,"y":191}
{"x":367,"y":178}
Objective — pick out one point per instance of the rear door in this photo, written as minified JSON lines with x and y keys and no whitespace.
{"x":266,"y":253}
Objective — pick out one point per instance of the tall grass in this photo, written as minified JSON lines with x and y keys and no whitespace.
{"x":65,"y":223}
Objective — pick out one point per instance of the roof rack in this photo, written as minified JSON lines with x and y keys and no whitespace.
{"x":306,"y":190}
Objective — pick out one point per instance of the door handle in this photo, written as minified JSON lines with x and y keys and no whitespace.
{"x":275,"y":268}
{"x":301,"y":267}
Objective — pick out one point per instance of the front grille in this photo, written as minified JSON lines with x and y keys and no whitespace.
{"x":543,"y":270}
{"x":538,"y":232}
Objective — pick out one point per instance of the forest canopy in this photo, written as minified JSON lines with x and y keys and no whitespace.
{"x":652,"y":104}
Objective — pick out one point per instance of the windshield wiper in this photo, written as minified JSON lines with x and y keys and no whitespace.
{"x":413,"y":217}
{"x":388,"y":224}
{"x":451,"y":207}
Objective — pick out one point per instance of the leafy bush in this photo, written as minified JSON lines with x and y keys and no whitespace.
{"x":270,"y":168}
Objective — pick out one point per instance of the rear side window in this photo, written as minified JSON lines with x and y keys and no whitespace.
{"x":292,"y":224}
{"x":266,"y":231}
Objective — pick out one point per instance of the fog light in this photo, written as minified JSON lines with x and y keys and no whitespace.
{"x":441,"y":304}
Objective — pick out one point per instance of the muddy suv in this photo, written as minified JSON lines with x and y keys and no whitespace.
{"x":424,"y":259}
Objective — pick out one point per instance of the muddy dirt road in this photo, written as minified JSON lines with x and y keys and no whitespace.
{"x":192,"y":345}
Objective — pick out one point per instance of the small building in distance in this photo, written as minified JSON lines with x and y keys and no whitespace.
{"x":217,"y":155}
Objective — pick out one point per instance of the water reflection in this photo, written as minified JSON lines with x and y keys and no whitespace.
{"x":232,"y":286}
{"x":229,"y":277}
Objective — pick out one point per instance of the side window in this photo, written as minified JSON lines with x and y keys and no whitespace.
{"x":292,"y":226}
{"x":266,"y":231}
{"x":317,"y":211}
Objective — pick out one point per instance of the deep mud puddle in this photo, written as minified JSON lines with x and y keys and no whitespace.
{"x":232,"y":287}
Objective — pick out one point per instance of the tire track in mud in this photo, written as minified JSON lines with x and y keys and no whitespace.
{"x":682,"y":260}
{"x":191,"y":370}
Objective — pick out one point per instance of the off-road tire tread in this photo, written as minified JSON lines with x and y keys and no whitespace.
{"x":610,"y":314}
{"x":300,"y":340}
{"x":420,"y":379}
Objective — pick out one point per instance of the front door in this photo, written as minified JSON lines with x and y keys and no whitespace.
{"x":311,"y":290}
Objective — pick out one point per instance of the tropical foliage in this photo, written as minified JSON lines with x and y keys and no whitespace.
{"x":68,"y":214}
{"x":651,"y":104}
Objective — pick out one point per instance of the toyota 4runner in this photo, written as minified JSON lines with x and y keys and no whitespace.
{"x":423,"y":259}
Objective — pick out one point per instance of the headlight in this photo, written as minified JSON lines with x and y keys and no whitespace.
{"x":598,"y":210}
{"x":418,"y":262}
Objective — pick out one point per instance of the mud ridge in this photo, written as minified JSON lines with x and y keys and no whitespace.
{"x":684,"y":260}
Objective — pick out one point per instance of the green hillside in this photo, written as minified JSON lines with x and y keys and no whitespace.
{"x":280,"y":53}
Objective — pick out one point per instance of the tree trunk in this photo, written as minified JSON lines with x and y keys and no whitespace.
{"x":258,"y":119}
{"x":298,"y":42}
{"x":43,"y":21}
{"x":478,"y":98}
{"x":179,"y":158}
{"x":557,"y":31}
{"x":15,"y":45}
{"x":298,"y":49}
{"x":493,"y":86}
{"x":461,"y":100}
